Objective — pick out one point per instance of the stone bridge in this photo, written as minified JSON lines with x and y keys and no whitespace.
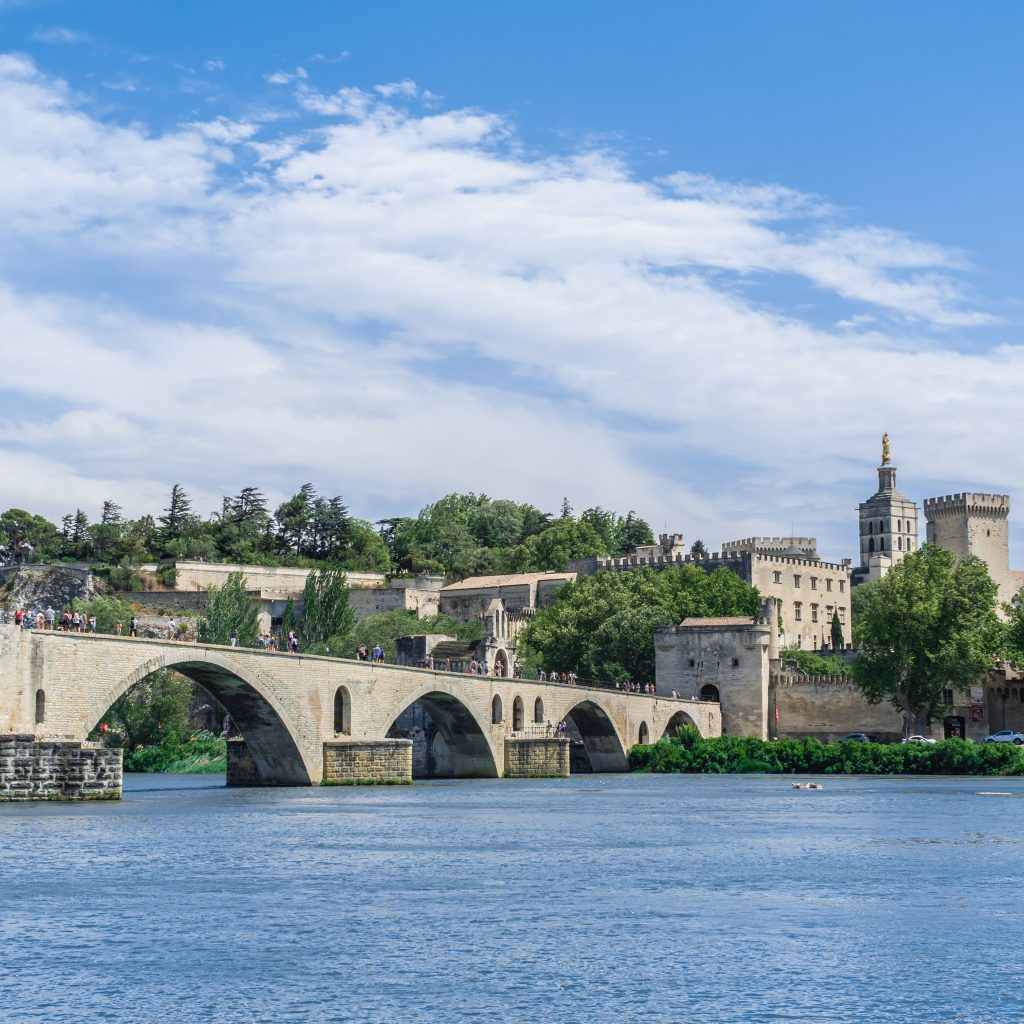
{"x":308,"y":719}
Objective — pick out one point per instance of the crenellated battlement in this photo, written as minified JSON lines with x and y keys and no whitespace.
{"x":973,"y":502}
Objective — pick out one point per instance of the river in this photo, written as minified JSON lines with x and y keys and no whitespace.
{"x":598,"y":898}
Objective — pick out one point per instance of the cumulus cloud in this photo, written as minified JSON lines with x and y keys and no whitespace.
{"x":395,"y":304}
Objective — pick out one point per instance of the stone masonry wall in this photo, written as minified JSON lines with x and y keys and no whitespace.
{"x":242,"y":769}
{"x":32,"y":769}
{"x":542,"y":757}
{"x":368,"y":761}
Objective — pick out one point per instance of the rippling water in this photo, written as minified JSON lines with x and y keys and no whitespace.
{"x":615,"y":898}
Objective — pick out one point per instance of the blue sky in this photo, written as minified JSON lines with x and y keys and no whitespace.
{"x":690,"y":259}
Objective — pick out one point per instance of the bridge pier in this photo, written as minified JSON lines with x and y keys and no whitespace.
{"x":385,"y":762}
{"x":34,"y":769}
{"x":536,"y":757}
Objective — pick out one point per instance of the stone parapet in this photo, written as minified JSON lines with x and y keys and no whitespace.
{"x":367,"y":762}
{"x":536,"y":757}
{"x":32,"y":769}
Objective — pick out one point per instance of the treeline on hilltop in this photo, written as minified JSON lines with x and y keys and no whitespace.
{"x":459,"y":535}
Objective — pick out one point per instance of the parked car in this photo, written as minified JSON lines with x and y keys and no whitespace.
{"x":918,"y":739}
{"x":1005,"y":736}
{"x":855,"y":737}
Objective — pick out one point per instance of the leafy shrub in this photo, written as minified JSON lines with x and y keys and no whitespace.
{"x":687,"y":752}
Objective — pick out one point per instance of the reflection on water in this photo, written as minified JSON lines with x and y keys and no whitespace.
{"x":603,"y":898}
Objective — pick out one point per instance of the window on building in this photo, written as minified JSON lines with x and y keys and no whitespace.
{"x":899,"y":543}
{"x":908,"y":527}
{"x":881,"y":543}
{"x":871,"y":543}
{"x":828,"y":585}
{"x":735,"y":662}
{"x":871,"y":528}
{"x":693,"y":664}
{"x":842,"y":586}
{"x":814,"y":613}
{"x":881,"y":526}
{"x":778,"y":577}
{"x":797,"y":611}
{"x":910,"y":547}
{"x":842,"y":616}
{"x":814,"y":583}
{"x":796,"y":581}
{"x":947,"y":698}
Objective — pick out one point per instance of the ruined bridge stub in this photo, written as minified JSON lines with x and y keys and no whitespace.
{"x":305,"y":718}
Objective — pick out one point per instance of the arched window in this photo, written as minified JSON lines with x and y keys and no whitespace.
{"x":709,"y":692}
{"x":538,"y":710}
{"x":899,"y":543}
{"x":517,"y":714}
{"x":40,"y":706}
{"x":899,"y":525}
{"x":881,"y":543}
{"x":908,"y":526}
{"x":496,"y":710}
{"x":871,"y":528}
{"x":342,"y":711}
{"x":871,"y":543}
{"x":644,"y":736}
{"x":881,"y":525}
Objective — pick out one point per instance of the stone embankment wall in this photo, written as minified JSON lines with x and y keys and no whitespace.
{"x":32,"y":769}
{"x":828,"y":707}
{"x":367,"y":761}
{"x":541,"y":757}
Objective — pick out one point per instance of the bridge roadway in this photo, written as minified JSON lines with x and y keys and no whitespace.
{"x":293,"y":709}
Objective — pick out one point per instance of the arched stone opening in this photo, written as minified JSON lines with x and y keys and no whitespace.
{"x":709,"y":692}
{"x":678,"y":719}
{"x":644,"y":735}
{"x":447,"y":740}
{"x":538,"y":711}
{"x":497,"y":712}
{"x":342,"y":712}
{"x":270,"y":752}
{"x":518,"y":714}
{"x":40,"y":706}
{"x":501,"y":665}
{"x":596,"y":746}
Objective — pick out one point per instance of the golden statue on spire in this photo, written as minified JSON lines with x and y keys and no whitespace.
{"x":886,"y":455}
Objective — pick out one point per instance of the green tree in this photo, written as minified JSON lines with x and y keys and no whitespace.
{"x":551,"y":550}
{"x":929,"y":624}
{"x":152,"y":711}
{"x":175,"y":517}
{"x":837,"y":632}
{"x":326,"y":612}
{"x":230,"y":608}
{"x":19,"y":528}
{"x":1015,"y":628}
{"x":630,"y":533}
{"x":108,"y":611}
{"x":698,"y":550}
{"x":289,"y":620}
{"x":602,"y":626}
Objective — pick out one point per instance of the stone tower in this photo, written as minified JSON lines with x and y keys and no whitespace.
{"x":888,"y":524}
{"x":975,"y":524}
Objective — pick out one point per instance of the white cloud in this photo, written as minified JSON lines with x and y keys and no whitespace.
{"x":405,"y":88}
{"x":396,"y":305}
{"x":60,"y":35}
{"x":214,"y":65}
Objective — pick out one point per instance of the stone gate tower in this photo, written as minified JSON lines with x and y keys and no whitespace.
{"x":888,"y":524}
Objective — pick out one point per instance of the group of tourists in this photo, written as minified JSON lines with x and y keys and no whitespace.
{"x":376,"y":655}
{"x":636,"y":687}
{"x":565,"y":678}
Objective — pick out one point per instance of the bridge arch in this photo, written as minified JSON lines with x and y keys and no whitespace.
{"x":597,"y":746}
{"x":678,"y":719}
{"x":454,"y":744}
{"x":269,"y":734}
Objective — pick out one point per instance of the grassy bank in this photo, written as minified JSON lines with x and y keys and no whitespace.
{"x":201,"y":754}
{"x":687,"y":752}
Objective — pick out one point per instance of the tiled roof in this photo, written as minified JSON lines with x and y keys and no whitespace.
{"x":520,"y":579}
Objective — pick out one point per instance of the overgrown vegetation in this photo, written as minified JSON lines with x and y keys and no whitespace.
{"x":687,"y":752}
{"x":814,"y":664}
{"x":203,"y":753}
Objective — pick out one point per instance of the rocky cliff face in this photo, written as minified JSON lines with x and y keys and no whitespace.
{"x":38,"y":587}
